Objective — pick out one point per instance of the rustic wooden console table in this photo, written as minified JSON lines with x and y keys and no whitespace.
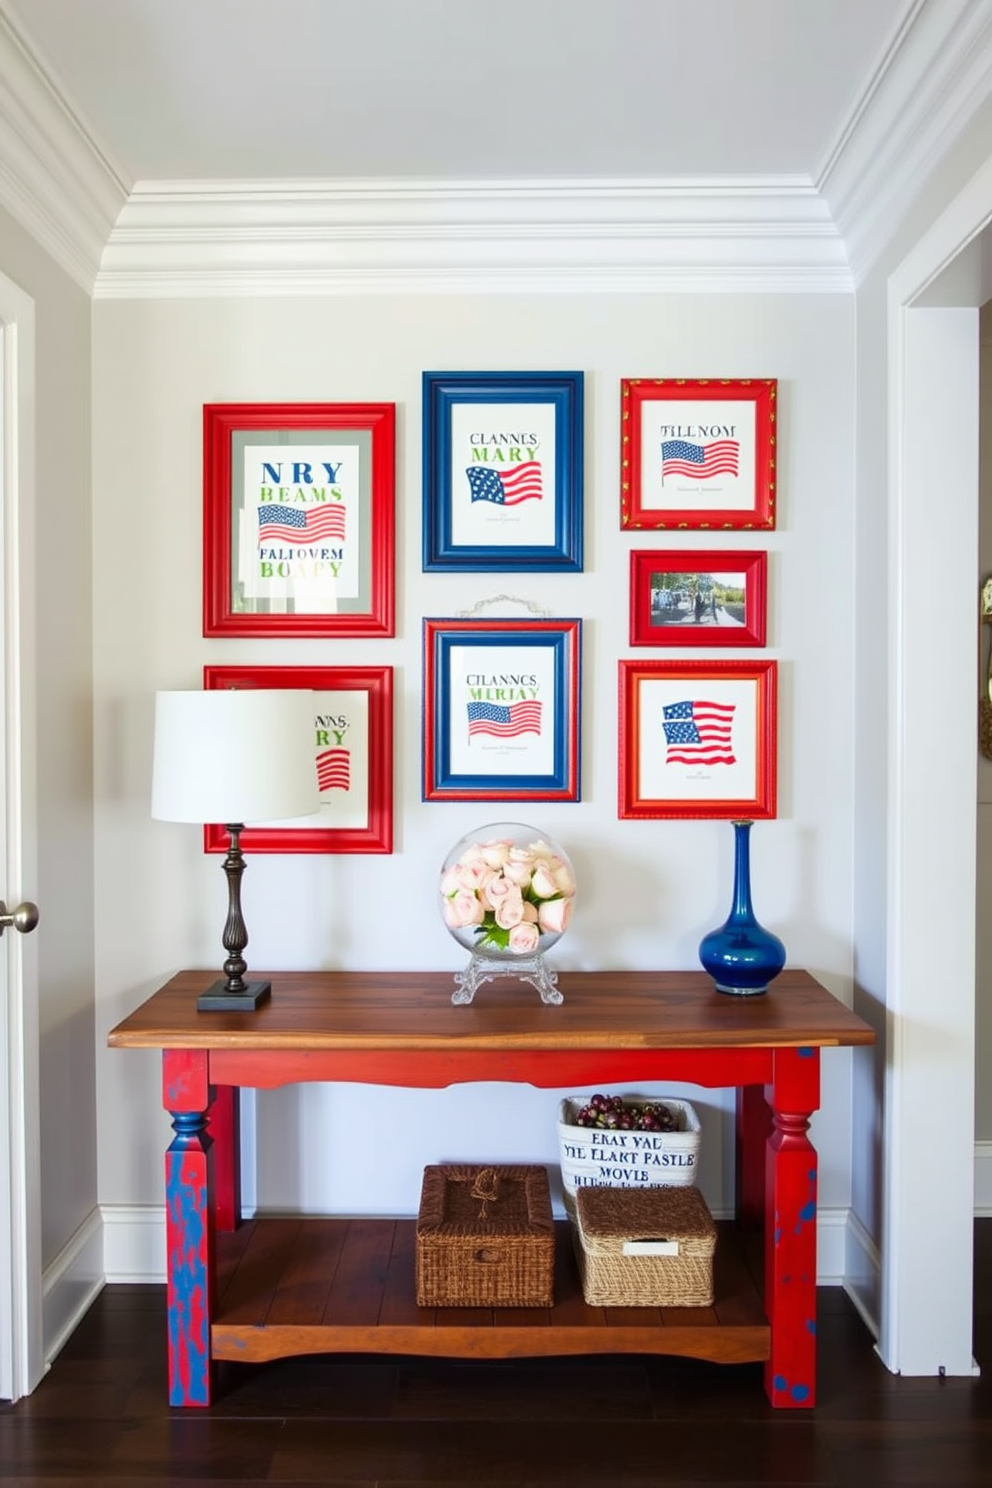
{"x":270,"y":1288}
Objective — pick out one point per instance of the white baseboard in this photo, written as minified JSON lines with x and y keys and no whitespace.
{"x":134,"y":1244}
{"x":862,"y":1277}
{"x":983,"y":1180}
{"x":126,"y":1243}
{"x":70,"y":1284}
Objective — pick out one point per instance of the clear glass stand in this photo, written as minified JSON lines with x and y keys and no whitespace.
{"x":482,"y":968}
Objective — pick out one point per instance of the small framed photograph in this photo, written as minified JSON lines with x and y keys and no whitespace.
{"x":698,"y":598}
{"x":698,"y":739}
{"x":353,"y":758}
{"x":299,"y":519}
{"x":502,"y":471}
{"x":501,"y":710}
{"x":697,"y":455}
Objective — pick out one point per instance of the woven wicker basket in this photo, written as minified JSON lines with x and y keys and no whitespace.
{"x":648,"y":1247}
{"x":485,"y":1237}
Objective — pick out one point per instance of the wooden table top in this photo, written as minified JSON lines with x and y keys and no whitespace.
{"x":413,"y":1010}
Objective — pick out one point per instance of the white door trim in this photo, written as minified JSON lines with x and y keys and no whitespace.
{"x":21,"y":1343}
{"x":928,"y":1178}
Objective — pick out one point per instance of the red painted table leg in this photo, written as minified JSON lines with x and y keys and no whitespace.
{"x":754,"y":1124}
{"x":225,"y":1135}
{"x":189,"y":1227}
{"x":790,"y":1229}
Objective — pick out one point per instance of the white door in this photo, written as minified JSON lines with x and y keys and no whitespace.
{"x":934,"y":295}
{"x":21,"y":1346}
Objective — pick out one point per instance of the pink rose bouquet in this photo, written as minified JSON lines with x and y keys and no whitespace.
{"x":503,"y":893}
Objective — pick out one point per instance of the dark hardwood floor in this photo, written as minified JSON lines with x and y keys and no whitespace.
{"x":100,"y":1417}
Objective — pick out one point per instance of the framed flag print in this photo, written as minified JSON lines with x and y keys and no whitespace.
{"x":698,"y":739}
{"x":702,"y":598}
{"x":502,"y":471}
{"x":697,"y":455}
{"x":353,"y":758}
{"x":501,"y":710}
{"x":298,"y":519}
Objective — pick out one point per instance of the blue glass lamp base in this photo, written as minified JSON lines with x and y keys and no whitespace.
{"x":742,"y":956}
{"x":742,"y":962}
{"x":741,"y":991}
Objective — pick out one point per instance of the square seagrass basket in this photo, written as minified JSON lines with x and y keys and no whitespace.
{"x":645,"y":1247}
{"x":485,"y":1237}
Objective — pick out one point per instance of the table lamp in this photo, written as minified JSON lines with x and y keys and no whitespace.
{"x":233,"y":756}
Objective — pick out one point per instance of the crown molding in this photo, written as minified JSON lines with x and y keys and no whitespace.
{"x":788,"y":234}
{"x":935,"y":74}
{"x":374,"y":236}
{"x":54,"y":179}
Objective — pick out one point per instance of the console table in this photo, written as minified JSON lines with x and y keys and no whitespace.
{"x":270,"y":1288}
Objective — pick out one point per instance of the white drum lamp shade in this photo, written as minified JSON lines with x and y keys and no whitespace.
{"x":234,"y":756}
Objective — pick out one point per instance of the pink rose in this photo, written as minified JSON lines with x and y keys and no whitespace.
{"x":511,"y":911}
{"x":462,"y":909}
{"x":497,"y":890}
{"x":554,"y":914}
{"x":518,"y":872}
{"x":543,"y":883}
{"x":524,"y":938}
{"x":472,"y":875}
{"x":496,"y":853}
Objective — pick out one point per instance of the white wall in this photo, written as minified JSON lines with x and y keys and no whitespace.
{"x":62,"y":684}
{"x":648,"y":890}
{"x":983,"y":946}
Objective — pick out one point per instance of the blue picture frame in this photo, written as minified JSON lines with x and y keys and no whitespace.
{"x":502,"y":471}
{"x":501,"y":710}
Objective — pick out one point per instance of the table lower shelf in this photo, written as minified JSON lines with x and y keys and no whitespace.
{"x":308,"y":1286}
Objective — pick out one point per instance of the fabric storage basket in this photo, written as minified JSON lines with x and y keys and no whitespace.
{"x":650,"y":1247}
{"x":608,"y":1158}
{"x":485,"y":1237}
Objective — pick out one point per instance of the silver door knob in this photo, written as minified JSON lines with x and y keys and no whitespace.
{"x":23,"y":918}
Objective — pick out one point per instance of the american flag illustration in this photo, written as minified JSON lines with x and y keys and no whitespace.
{"x":502,"y":721}
{"x":320,"y":523}
{"x":505,"y":487}
{"x":699,"y":461}
{"x":334,"y":769}
{"x":698,"y":733}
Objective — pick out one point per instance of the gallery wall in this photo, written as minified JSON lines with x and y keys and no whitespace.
{"x":648,"y":890}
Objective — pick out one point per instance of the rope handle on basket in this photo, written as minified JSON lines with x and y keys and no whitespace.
{"x":486,"y":1188}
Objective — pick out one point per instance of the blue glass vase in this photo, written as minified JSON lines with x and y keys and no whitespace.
{"x":742,"y":957}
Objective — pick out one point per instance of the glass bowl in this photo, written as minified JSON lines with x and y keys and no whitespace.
{"x":506,"y":893}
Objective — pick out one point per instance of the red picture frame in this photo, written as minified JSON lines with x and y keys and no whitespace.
{"x":698,"y":739}
{"x":698,"y":598}
{"x":698,"y":454}
{"x":299,"y":519}
{"x":353,"y":707}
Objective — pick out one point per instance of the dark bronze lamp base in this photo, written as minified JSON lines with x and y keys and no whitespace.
{"x":235,"y":995}
{"x":216,"y":1000}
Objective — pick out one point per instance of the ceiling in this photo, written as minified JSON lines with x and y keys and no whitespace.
{"x":173,"y":90}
